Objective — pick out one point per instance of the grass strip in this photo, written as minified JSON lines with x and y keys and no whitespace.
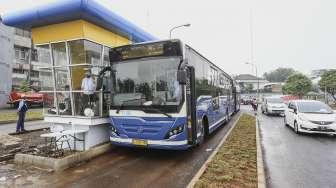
{"x":8,"y":117}
{"x":235,"y":164}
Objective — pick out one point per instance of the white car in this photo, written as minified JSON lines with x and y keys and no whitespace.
{"x":273,"y":105}
{"x":309,"y":116}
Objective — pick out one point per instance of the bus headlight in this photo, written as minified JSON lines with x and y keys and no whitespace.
{"x":175,"y":131}
{"x":113,"y":130}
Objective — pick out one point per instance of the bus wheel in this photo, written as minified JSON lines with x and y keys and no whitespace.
{"x":201,"y":137}
{"x":202,"y":133}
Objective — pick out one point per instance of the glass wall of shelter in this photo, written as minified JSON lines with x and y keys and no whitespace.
{"x":69,"y":78}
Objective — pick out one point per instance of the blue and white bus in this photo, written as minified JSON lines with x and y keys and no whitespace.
{"x":165,"y":95}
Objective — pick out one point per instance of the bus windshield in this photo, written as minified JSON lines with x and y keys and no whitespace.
{"x":150,"y":82}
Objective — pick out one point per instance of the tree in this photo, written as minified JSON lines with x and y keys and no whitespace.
{"x":279,"y":74}
{"x":297,"y":84}
{"x":24,"y":87}
{"x":328,"y":82}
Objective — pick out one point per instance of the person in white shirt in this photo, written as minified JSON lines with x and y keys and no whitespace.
{"x":177,"y":90}
{"x":88,"y":87}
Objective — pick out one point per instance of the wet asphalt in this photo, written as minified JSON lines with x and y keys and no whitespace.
{"x":293,"y":160}
{"x":131,"y":167}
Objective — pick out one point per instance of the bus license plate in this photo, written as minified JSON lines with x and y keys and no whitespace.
{"x":139,"y":142}
{"x":323,"y":128}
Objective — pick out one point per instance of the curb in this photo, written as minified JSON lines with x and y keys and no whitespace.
{"x":205,"y":165}
{"x":29,"y":131}
{"x":260,"y":159}
{"x":62,"y":163}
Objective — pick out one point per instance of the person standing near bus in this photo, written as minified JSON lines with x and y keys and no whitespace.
{"x":23,"y":108}
{"x":88,"y":87}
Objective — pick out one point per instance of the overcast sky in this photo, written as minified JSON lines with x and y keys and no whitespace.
{"x":287,"y":33}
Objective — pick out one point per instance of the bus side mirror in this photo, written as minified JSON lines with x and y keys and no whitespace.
{"x":182,"y":77}
{"x":101,"y":77}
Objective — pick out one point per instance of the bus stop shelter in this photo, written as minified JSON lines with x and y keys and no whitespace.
{"x":73,"y":38}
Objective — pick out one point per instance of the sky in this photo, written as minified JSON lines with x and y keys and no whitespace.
{"x":299,"y":34}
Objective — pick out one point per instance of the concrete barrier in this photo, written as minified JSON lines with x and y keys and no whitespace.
{"x":62,"y":163}
{"x":260,"y":158}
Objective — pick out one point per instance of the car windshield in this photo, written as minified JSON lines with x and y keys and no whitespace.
{"x":147,"y":82}
{"x":275,"y":100}
{"x":314,"y":107}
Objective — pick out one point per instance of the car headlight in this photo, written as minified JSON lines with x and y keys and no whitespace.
{"x":303,"y":119}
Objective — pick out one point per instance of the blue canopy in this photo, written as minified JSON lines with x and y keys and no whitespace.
{"x":69,"y":10}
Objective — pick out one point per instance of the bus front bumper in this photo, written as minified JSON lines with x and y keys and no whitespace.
{"x":155,"y":144}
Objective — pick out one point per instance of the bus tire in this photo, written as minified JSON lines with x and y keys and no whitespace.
{"x":201,"y":137}
{"x":206,"y":126}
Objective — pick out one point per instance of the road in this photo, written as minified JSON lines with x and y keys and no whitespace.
{"x":29,"y":125}
{"x":130,"y":167}
{"x":296,"y":160}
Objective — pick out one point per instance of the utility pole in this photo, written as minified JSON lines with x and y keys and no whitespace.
{"x":252,"y":50}
{"x":325,"y":95}
{"x":256,"y":74}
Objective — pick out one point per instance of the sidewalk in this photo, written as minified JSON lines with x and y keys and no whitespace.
{"x":10,"y":115}
{"x":29,"y":125}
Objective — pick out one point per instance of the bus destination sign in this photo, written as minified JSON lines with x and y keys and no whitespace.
{"x":142,"y":51}
{"x":165,"y":48}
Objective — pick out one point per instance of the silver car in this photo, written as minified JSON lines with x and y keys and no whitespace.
{"x":273,"y":105}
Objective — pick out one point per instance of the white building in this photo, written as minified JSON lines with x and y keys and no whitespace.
{"x":247,"y":80}
{"x":6,"y":58}
{"x":18,"y":62}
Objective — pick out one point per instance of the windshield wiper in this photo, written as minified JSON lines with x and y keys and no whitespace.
{"x":143,"y":108}
{"x":156,"y":110}
{"x":122,"y":104}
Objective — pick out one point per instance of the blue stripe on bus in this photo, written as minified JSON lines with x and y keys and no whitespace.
{"x":152,"y":128}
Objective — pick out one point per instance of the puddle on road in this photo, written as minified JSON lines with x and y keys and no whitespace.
{"x":208,"y":149}
{"x":12,"y":175}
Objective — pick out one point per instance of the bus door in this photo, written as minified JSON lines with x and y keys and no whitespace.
{"x":215,"y":110}
{"x":235,"y":99}
{"x":222,"y":106}
{"x":104,"y":84}
{"x":191,"y":105}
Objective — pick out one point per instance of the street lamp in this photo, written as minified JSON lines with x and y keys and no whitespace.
{"x":256,"y":72}
{"x":171,"y":30}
